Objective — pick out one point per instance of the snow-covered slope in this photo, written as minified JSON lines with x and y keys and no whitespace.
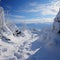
{"x":15,"y":47}
{"x":28,"y":44}
{"x":49,"y":44}
{"x":43,"y":45}
{"x":15,"y":44}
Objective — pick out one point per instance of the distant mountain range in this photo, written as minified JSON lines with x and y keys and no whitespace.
{"x":36,"y":25}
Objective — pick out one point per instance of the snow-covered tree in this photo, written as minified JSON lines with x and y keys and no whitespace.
{"x":1,"y":20}
{"x":56,"y":24}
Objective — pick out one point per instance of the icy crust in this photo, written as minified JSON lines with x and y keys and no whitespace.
{"x":17,"y":47}
{"x":11,"y":26}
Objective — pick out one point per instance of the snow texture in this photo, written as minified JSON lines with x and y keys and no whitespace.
{"x":29,"y":44}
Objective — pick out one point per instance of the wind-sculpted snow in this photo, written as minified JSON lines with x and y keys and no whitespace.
{"x":17,"y":48}
{"x":44,"y":44}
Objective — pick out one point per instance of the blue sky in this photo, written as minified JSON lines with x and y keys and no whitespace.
{"x":30,"y":11}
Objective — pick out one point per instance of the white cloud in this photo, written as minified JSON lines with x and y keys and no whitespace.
{"x":50,"y":8}
{"x":33,"y":4}
{"x":31,"y":10}
{"x":37,"y":20}
{"x":46,"y":9}
{"x":15,"y":16}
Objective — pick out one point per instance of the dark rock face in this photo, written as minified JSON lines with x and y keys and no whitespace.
{"x":59,"y":31}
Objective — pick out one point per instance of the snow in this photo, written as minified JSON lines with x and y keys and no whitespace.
{"x":15,"y":43}
{"x":25,"y":47}
{"x":29,"y":44}
{"x":56,"y":24}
